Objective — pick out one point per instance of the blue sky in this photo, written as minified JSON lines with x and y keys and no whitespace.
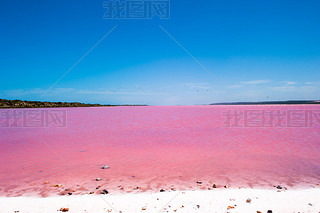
{"x":247,"y":50}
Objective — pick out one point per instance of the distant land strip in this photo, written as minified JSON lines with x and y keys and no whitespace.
{"x":7,"y":104}
{"x":270,"y":102}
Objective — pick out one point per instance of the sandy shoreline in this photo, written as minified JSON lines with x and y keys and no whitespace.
{"x":220,"y":200}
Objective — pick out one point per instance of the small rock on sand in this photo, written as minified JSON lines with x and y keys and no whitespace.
{"x":230,"y":207}
{"x":162,"y":190}
{"x":104,"y":192}
{"x":248,"y":200}
{"x":105,"y":167}
{"x":64,"y":209}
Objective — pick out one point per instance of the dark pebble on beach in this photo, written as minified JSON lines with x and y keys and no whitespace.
{"x":198,"y":206}
{"x":104,"y":192}
{"x":199,"y":182}
{"x":162,"y":190}
{"x":279,"y":187}
{"x":214,"y":186}
{"x":105,"y":167}
{"x":269,"y":211}
{"x":69,"y":193}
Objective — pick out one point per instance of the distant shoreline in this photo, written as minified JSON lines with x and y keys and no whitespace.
{"x":270,"y":102}
{"x":8,"y":104}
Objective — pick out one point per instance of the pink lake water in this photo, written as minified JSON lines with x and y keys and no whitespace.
{"x":159,"y":147}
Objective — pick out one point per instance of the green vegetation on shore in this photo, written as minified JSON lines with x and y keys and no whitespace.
{"x":39,"y":104}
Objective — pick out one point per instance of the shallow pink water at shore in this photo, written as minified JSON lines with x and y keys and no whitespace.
{"x":155,"y":148}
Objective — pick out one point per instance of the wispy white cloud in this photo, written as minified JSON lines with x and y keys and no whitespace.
{"x":312,"y":83}
{"x":256,"y":82}
{"x":235,"y":86}
{"x":198,"y":85}
{"x":63,"y":91}
{"x":297,"y":89}
{"x":309,"y":88}
{"x":118,"y":92}
{"x":285,"y":88}
{"x":288,"y":82}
